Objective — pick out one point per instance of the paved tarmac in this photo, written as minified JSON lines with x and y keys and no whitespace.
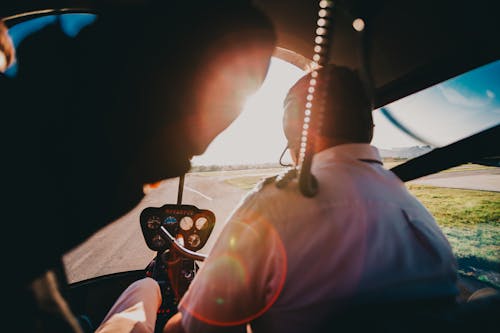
{"x":485,"y":180}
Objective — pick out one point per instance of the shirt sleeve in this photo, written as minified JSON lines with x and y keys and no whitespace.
{"x":242,"y":276}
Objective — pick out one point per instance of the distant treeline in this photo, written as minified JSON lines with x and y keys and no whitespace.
{"x":215,"y":167}
{"x":205,"y":168}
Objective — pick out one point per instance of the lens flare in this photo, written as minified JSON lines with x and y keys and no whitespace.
{"x":232,"y":287}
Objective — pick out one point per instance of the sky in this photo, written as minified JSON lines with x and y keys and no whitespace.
{"x":441,"y":114}
{"x":453,"y":109}
{"x":257,"y":134}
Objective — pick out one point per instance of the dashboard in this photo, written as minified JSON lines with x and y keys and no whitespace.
{"x":190,"y":226}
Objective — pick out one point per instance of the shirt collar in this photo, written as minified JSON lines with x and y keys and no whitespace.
{"x":349,"y":151}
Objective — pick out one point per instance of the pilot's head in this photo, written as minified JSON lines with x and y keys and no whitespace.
{"x":347,"y":113}
{"x":180,"y":80}
{"x":129,"y":101}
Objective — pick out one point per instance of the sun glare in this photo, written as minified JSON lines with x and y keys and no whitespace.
{"x":257,"y":135}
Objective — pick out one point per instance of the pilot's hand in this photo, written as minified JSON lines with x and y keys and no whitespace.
{"x":174,"y":324}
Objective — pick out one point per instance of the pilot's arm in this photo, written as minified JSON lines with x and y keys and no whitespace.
{"x":174,"y":324}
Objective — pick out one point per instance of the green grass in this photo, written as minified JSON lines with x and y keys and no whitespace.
{"x":469,"y":219}
{"x":245,"y":182}
{"x":456,"y":207}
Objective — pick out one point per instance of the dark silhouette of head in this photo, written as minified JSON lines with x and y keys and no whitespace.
{"x":128,"y":101}
{"x":347,"y":114}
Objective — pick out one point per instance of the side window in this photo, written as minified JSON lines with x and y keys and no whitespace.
{"x":442,"y":114}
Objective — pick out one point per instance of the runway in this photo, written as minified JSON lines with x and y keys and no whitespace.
{"x":487,"y":179}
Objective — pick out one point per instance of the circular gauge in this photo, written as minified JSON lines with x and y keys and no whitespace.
{"x":194,"y":240}
{"x":153,"y":222}
{"x":158,"y":242}
{"x":201,"y":222}
{"x":186,"y":223}
{"x":170,"y":220}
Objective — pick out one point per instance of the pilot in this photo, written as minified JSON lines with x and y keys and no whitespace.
{"x":287,"y":263}
{"x":91,"y":119}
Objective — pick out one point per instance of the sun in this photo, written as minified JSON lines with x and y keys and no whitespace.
{"x":256,"y":136}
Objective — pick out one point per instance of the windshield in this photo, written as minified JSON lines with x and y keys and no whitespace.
{"x":239,"y":158}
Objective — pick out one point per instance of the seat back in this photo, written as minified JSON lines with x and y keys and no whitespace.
{"x":441,"y":315}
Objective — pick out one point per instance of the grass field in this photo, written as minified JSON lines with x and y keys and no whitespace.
{"x":245,"y":182}
{"x":471,"y":222}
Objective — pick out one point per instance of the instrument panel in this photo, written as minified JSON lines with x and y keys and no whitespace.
{"x":190,"y":226}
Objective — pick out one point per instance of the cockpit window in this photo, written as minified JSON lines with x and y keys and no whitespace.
{"x":249,"y":150}
{"x":451,"y":110}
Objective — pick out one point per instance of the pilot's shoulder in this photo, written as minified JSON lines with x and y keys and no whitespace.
{"x":265,"y":181}
{"x":280,"y":180}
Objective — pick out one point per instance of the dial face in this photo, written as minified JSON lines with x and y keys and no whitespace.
{"x":153,"y":222}
{"x":201,"y":222}
{"x":194,"y":240}
{"x":186,"y":223}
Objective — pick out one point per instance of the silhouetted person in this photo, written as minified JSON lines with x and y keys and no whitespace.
{"x":128,"y":101}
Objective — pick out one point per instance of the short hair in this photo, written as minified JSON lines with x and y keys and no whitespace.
{"x":347,"y":112}
{"x":6,"y":46}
